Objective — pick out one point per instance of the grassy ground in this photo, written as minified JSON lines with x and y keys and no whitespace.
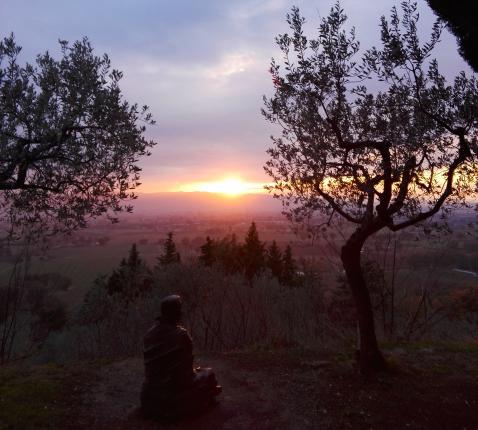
{"x":30,"y":398}
{"x":41,"y":397}
{"x":430,"y":386}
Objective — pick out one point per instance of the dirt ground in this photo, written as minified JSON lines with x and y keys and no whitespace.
{"x":428,"y":389}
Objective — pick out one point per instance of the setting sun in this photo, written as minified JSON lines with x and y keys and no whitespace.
{"x":229,"y":186}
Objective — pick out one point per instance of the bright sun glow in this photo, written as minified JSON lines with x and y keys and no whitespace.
{"x":230,"y":187}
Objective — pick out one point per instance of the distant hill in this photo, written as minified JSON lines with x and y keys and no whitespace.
{"x":204,"y":203}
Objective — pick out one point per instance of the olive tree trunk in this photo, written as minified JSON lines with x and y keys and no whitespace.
{"x":369,"y":356}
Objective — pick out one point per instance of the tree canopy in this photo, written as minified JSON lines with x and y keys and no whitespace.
{"x":393,"y":156}
{"x":69,"y":142}
{"x":461,"y":20}
{"x":390,"y":155}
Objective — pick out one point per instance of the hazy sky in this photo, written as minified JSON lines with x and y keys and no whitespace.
{"x":202,"y":67}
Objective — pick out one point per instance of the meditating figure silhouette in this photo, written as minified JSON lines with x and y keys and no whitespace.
{"x":173,"y":387}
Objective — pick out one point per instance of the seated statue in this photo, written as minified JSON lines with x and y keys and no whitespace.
{"x":173,"y":387}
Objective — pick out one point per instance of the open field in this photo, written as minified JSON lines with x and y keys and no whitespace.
{"x":446,"y":261}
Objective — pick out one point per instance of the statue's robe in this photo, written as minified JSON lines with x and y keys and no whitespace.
{"x":172,"y":387}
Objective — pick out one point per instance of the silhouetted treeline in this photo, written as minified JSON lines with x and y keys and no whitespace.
{"x":250,"y":258}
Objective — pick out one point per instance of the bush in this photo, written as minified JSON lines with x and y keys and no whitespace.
{"x":221,"y":311}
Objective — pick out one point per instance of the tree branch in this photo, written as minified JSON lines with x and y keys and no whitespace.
{"x":463,"y":154}
{"x":336,"y":207}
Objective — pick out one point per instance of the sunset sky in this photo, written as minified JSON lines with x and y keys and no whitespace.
{"x":202,"y":67}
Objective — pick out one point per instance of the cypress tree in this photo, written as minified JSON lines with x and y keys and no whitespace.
{"x":274,"y":260}
{"x":131,"y":279}
{"x":170,"y":255}
{"x":134,"y":262}
{"x":253,"y":253}
{"x":229,"y":254}
{"x":208,"y":252}
{"x":289,"y":268}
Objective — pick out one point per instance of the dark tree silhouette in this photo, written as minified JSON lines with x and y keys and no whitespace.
{"x":341,"y":308}
{"x":208,"y":252}
{"x":252,"y":254}
{"x":134,"y":263}
{"x":391,"y":158}
{"x":461,"y":20}
{"x":69,"y":142}
{"x":115,"y":283}
{"x":289,"y":268}
{"x":226,"y":254}
{"x":274,"y":260}
{"x":131,"y":280}
{"x":229,"y":254}
{"x":170,"y":255}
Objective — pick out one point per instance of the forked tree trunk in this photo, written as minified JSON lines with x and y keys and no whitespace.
{"x":370,"y":358}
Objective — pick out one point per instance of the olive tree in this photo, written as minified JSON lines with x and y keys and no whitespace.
{"x":390,"y":155}
{"x":69,"y":142}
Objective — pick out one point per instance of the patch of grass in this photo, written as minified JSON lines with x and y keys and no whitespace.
{"x":271,"y":355}
{"x":417,"y":346}
{"x":388,"y":344}
{"x":438,"y":369}
{"x":344,"y":357}
{"x":460,"y":347}
{"x":30,"y":398}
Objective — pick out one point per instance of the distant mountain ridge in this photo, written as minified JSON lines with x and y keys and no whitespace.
{"x":204,"y":203}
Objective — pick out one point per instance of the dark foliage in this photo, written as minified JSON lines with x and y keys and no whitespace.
{"x":289,"y":268}
{"x":131,"y":280}
{"x":250,"y":258}
{"x":229,"y":255}
{"x":341,"y":308}
{"x":208,"y":257}
{"x":170,"y":255}
{"x":461,"y":19}
{"x":252,"y":254}
{"x":31,"y":310}
{"x":69,"y":142}
{"x":274,"y":260}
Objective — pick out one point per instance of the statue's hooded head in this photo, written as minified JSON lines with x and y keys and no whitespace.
{"x":171,"y":309}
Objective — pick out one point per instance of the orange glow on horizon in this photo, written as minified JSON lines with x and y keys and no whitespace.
{"x":230,"y":187}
